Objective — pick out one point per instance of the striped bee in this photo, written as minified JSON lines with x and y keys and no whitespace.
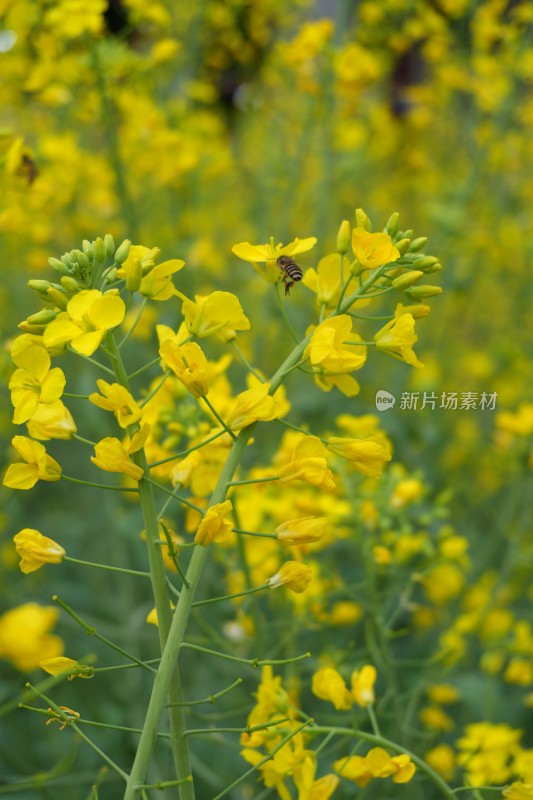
{"x":292,"y":273}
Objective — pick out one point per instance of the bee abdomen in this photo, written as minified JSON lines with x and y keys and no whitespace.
{"x":290,"y":268}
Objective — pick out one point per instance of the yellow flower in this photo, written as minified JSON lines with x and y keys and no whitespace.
{"x":328,"y":684}
{"x":325,"y":282}
{"x":304,"y":780}
{"x":256,"y":404}
{"x":268,"y":255}
{"x":406,"y":491}
{"x":117,"y":399}
{"x":71,"y":19}
{"x":38,"y":465}
{"x":25,"y":636}
{"x":354,"y":768}
{"x":367,"y":456}
{"x":157,"y":284}
{"x":35,"y":550}
{"x":363,"y":682}
{"x":396,"y":339}
{"x":329,"y":351}
{"x":216,"y":313}
{"x":308,"y":463}
{"x":52,"y":421}
{"x":34,"y":382}
{"x":215,"y":527}
{"x":188,"y":363}
{"x":89,"y":315}
{"x":60,"y":664}
{"x":373,"y":249}
{"x":435,"y":718}
{"x":443,"y":693}
{"x":376,"y":764}
{"x":442,"y":759}
{"x":293,"y":575}
{"x":303,"y":530}
{"x":113,"y":456}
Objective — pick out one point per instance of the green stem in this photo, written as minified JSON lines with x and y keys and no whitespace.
{"x":255,"y":533}
{"x":212,"y":698}
{"x":246,"y":363}
{"x":252,"y":662}
{"x":286,"y":319}
{"x":184,"y":453}
{"x":135,"y":323}
{"x":253,"y":480}
{"x":99,"y":485}
{"x":90,"y":360}
{"x":155,"y":390}
{"x":164,"y":614}
{"x":173,"y":494}
{"x":218,"y":417}
{"x":91,"y":631}
{"x":82,"y":439}
{"x":229,"y":596}
{"x":106,"y":566}
{"x":143,"y":369}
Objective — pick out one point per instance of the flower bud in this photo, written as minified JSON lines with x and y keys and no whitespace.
{"x":70,"y":284}
{"x":123,"y":251}
{"x":407,"y":279}
{"x":356,"y":268}
{"x":56,"y":264}
{"x":344,"y":237}
{"x":84,"y":261}
{"x":66,"y":260}
{"x":27,"y":327}
{"x":62,"y":267}
{"x":42,"y":317}
{"x":58,"y":297}
{"x":39,"y":286}
{"x":417,"y":311}
{"x":99,"y":250}
{"x":110,"y":274}
{"x":134,"y":276}
{"x":425,"y":262}
{"x":403,"y":245}
{"x":417,"y":244}
{"x":392,"y":224}
{"x":87,"y":247}
{"x":362,"y":220}
{"x":435,"y":268}
{"x":109,"y":244}
{"x":419,"y":292}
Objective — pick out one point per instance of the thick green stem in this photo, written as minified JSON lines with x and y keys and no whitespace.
{"x":180,"y":747}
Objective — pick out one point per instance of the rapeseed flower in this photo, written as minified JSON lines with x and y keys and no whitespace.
{"x":219,"y":312}
{"x":25,"y":637}
{"x":307,"y":462}
{"x":88,"y":317}
{"x":328,"y":684}
{"x":34,"y":383}
{"x":35,"y":550}
{"x":268,"y":254}
{"x":60,"y":664}
{"x":396,"y":339}
{"x":215,"y":527}
{"x":51,"y":421}
{"x":363,"y":681}
{"x":38,"y":465}
{"x":304,"y":530}
{"x":116,"y":398}
{"x":188,"y":363}
{"x":112,"y":455}
{"x":257,"y":405}
{"x":367,"y":456}
{"x":373,"y":249}
{"x":293,"y":575}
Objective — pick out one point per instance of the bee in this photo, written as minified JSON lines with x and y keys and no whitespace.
{"x":28,"y":169}
{"x":292,"y":273}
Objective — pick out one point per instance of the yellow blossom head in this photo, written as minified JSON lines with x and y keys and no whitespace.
{"x":35,"y":550}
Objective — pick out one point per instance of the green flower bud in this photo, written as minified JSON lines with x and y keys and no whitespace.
{"x":418,"y":244}
{"x":109,"y":244}
{"x":99,"y":250}
{"x":87,"y":247}
{"x":70,"y":284}
{"x":426,"y":261}
{"x":84,"y":261}
{"x":110,"y":274}
{"x":419,"y":292}
{"x":123,"y":251}
{"x":407,"y":279}
{"x":27,"y":327}
{"x":392,"y":224}
{"x":58,"y":297}
{"x":42,"y":317}
{"x":362,"y":220}
{"x":344,"y":237}
{"x":39,"y":286}
{"x":435,"y":268}
{"x":356,"y":268}
{"x":402,"y":245}
{"x":66,"y":259}
{"x":56,"y":264}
